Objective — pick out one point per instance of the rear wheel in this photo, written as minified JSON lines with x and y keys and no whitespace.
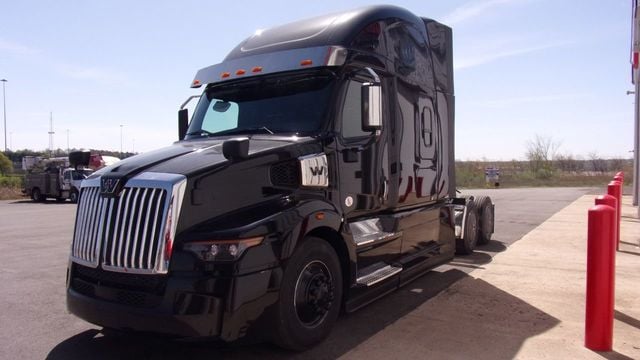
{"x":486,"y":218}
{"x":310,"y":296}
{"x":467,"y":244}
{"x":36,"y":195}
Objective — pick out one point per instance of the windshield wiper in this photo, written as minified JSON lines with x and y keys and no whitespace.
{"x":248,"y":130}
{"x":201,"y":132}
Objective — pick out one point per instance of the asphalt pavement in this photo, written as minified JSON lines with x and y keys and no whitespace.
{"x":34,"y":324}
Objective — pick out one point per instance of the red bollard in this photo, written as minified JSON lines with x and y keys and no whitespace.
{"x":600,"y":278}
{"x":614,"y":188}
{"x":609,"y":201}
{"x":619,"y":178}
{"x":620,"y":173}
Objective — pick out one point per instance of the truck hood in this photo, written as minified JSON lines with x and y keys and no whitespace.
{"x":188,"y":157}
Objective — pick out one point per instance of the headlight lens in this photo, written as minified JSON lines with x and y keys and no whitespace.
{"x":221,"y":250}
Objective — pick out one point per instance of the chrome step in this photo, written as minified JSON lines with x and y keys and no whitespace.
{"x":369,"y":231}
{"x":378,"y":275}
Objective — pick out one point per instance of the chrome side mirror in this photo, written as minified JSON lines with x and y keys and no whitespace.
{"x":371,"y":107}
{"x":372,"y":103}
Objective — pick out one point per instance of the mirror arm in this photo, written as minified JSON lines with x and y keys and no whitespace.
{"x":376,"y":78}
{"x":188,"y":100}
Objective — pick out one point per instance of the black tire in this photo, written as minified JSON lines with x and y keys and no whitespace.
{"x":36,"y":195}
{"x":310,"y":296}
{"x":486,"y":218}
{"x":73,"y":196}
{"x":467,"y":244}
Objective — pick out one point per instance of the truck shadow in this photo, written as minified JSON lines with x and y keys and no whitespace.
{"x":46,"y":202}
{"x":446,"y":326}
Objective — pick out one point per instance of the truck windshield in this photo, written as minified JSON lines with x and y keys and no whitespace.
{"x":295,"y":104}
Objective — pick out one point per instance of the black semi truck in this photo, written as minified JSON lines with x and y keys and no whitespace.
{"x":315,"y":175}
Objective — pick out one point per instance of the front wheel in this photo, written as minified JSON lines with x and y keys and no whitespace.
{"x":73,"y":196}
{"x":310,"y":296}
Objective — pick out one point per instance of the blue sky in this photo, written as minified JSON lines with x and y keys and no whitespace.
{"x":558,"y":69}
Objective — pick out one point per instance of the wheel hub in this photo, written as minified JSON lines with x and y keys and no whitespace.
{"x":314,"y":294}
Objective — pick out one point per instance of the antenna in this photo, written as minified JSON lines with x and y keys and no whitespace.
{"x":51,"y":132}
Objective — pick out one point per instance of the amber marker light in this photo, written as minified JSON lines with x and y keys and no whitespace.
{"x":225,"y":75}
{"x":306,"y":62}
{"x":240,"y":72}
{"x":195,"y":83}
{"x":256,"y":69}
{"x":320,"y":216}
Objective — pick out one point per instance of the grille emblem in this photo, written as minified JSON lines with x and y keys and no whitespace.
{"x":109,"y":187}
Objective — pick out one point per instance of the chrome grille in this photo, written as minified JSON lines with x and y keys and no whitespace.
{"x":89,"y":226}
{"x":126,"y":233}
{"x":135,"y":239}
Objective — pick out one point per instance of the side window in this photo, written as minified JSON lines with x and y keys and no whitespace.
{"x":67,"y":175}
{"x":352,"y":111}
{"x":427,"y":126}
{"x":221,"y":115}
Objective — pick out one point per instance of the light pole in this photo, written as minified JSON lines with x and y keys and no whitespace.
{"x":121,"y":139}
{"x":4,"y":106}
{"x":11,"y":140}
{"x":68,"y":142}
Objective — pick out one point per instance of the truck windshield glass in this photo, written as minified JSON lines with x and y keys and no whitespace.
{"x":291,"y":105}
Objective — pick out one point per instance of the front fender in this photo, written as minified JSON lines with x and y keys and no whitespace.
{"x":309,"y":216}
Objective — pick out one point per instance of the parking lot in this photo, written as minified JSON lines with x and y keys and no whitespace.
{"x":34,"y":324}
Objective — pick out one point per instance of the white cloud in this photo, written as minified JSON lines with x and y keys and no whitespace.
{"x":474,"y":9}
{"x":16,"y":49}
{"x":490,"y":55}
{"x":522,"y":100}
{"x":96,"y":74}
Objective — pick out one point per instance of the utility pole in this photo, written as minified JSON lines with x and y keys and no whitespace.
{"x":51,"y":132}
{"x":4,"y":106}
{"x":121,"y":139}
{"x":635,"y":79}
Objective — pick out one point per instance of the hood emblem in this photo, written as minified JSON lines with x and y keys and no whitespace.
{"x":315,"y":170}
{"x":109,"y":187}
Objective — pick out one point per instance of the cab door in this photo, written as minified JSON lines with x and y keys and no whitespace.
{"x":66,"y":180}
{"x":362,"y":161}
{"x":363,"y":166}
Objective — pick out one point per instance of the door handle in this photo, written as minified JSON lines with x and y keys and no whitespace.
{"x":385,"y":191}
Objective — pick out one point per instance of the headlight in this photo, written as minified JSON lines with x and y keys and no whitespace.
{"x":221,"y":250}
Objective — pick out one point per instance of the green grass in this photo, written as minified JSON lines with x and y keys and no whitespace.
{"x":470,"y":174}
{"x":11,"y":187}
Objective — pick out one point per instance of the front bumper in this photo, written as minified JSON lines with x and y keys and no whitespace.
{"x":185,"y":306}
